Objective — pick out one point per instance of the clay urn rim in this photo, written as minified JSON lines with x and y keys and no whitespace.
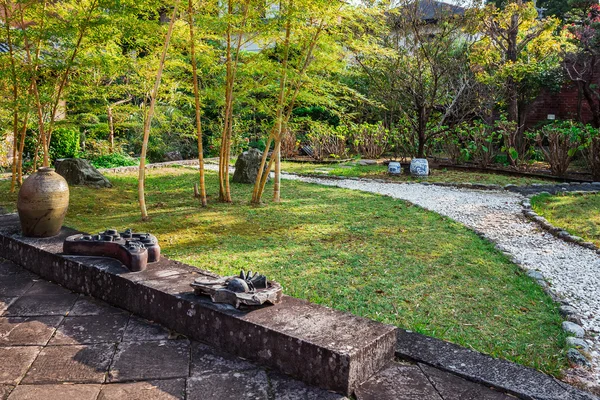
{"x":45,"y":169}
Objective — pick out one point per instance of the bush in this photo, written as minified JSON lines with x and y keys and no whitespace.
{"x":88,"y":119}
{"x":64,"y":143}
{"x":592,"y":152}
{"x":327,"y":141}
{"x":517,"y":149}
{"x":479,"y":142}
{"x":559,"y":142}
{"x":370,"y":140}
{"x":114,"y":160}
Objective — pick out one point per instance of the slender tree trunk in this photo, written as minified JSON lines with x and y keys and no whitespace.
{"x":202,"y":193}
{"x":150,"y":114}
{"x":15,"y":97}
{"x":111,"y":129}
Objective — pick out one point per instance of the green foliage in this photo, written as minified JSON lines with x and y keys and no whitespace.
{"x":64,"y":143}
{"x":328,"y":141}
{"x":114,"y":160}
{"x":369,"y":140}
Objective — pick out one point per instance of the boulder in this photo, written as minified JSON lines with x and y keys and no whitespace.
{"x":78,"y":171}
{"x":247,"y":166}
{"x":173,"y":156}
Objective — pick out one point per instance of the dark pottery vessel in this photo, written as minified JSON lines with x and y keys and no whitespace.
{"x":42,"y":204}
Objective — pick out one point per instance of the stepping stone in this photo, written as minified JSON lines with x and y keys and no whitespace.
{"x":15,"y":363}
{"x":139,"y":329}
{"x":398,"y":381}
{"x":39,"y":305}
{"x":91,"y":329}
{"x":171,"y":389}
{"x":55,"y":392}
{"x":451,"y":386}
{"x":285,"y":388}
{"x":27,"y":331}
{"x":207,"y":361}
{"x":80,"y":364}
{"x":150,"y":360}
{"x":246,"y":385}
{"x":90,"y":306}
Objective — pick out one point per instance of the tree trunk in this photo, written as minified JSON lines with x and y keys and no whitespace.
{"x":150,"y":114}
{"x":111,"y":130}
{"x":202,"y":191}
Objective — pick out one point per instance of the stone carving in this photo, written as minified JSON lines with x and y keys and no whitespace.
{"x":134,"y":250}
{"x":250,"y":289}
{"x":78,"y":171}
{"x":419,"y":167}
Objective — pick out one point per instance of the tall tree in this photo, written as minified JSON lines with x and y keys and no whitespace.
{"x":150,"y":114}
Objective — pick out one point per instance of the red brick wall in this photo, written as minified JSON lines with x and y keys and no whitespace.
{"x":563,"y":105}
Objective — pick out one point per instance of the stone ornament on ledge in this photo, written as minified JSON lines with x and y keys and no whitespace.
{"x":249,"y":289}
{"x":394,"y":168}
{"x":419,"y":167}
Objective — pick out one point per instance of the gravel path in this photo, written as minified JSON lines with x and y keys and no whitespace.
{"x":572,"y":271}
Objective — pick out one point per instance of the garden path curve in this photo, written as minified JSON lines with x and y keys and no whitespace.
{"x":572,"y":271}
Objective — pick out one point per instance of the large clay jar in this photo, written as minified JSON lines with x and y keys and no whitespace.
{"x":419,"y":167}
{"x":42,"y":204}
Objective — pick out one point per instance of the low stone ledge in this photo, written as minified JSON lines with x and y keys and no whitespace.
{"x":520,"y":381}
{"x":320,"y":346}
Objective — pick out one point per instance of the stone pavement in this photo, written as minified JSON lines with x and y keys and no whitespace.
{"x":56,"y":344}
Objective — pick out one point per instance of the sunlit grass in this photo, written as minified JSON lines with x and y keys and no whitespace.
{"x":370,"y":255}
{"x":578,"y":214}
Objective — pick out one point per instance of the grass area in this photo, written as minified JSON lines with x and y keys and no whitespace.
{"x":380,"y":172}
{"x":577,"y":214}
{"x":370,"y":255}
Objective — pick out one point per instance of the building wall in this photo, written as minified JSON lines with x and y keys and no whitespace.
{"x":562,"y":105}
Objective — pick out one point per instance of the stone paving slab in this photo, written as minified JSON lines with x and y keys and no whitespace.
{"x":15,"y":362}
{"x":28,"y":331}
{"x":55,"y":392}
{"x":398,"y":381}
{"x":169,"y":389}
{"x":5,"y":391}
{"x":41,"y":305}
{"x":15,"y":286}
{"x":150,"y":360}
{"x":46,"y":288}
{"x":206,"y":360}
{"x":107,"y":328}
{"x":139,"y":329}
{"x":79,"y":364}
{"x":5,"y":302}
{"x":285,"y":388}
{"x":86,"y":305}
{"x":244,"y":385}
{"x":451,"y":387}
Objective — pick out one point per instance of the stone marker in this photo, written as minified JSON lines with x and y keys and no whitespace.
{"x":247,"y":165}
{"x":78,"y":171}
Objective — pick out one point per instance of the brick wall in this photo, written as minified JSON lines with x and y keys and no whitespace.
{"x":563,"y":105}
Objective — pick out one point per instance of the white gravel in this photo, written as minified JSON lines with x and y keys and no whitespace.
{"x":572,"y":271}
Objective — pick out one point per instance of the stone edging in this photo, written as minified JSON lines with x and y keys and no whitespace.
{"x":572,"y":325}
{"x":558,"y":232}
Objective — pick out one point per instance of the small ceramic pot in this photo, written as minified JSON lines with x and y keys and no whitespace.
{"x":394,"y":168}
{"x":419,"y":167}
{"x":42,"y":203}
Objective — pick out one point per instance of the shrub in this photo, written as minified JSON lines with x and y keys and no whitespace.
{"x":517,"y":149}
{"x":479,"y":142}
{"x":114,"y":160}
{"x":88,"y":119}
{"x":289,"y":144}
{"x":369,"y":140}
{"x":64,"y":143}
{"x":559,"y":142}
{"x":327,"y":141}
{"x":592,"y":152}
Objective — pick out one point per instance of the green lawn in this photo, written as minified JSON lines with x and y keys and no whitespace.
{"x":578,"y":214}
{"x":363,"y":253}
{"x":380,"y":172}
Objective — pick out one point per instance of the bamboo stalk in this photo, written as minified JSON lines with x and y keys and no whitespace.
{"x":150,"y":114}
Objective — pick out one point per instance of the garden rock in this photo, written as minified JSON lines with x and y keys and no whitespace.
{"x":173,"y":156}
{"x":247,"y":166}
{"x":573,"y":329}
{"x":577,"y":358}
{"x":78,"y":171}
{"x":367,"y":162}
{"x":535,"y":275}
{"x":578,"y":343}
